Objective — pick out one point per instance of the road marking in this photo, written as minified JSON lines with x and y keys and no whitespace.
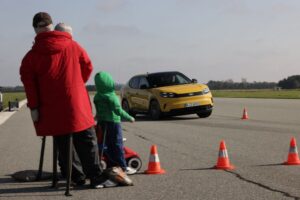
{"x":5,"y":115}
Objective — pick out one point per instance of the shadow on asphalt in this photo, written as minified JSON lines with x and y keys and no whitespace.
{"x":7,"y":180}
{"x":197,"y":169}
{"x":32,"y":188}
{"x":166,"y":118}
{"x":268,"y":165}
{"x":212,"y":168}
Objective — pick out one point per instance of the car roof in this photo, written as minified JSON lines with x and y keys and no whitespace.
{"x":155,"y":73}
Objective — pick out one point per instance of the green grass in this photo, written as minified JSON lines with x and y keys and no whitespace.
{"x":266,"y":94}
{"x":12,"y":96}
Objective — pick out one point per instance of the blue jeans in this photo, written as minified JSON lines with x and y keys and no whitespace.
{"x":114,"y":144}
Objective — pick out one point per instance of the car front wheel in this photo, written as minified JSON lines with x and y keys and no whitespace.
{"x":125,"y":106}
{"x":204,"y":114}
{"x":155,"y":112}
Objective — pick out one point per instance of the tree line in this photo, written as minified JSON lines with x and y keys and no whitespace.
{"x":229,"y":85}
{"x":291,"y":82}
{"x":8,"y":89}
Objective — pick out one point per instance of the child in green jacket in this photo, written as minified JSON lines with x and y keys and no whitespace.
{"x":109,"y":115}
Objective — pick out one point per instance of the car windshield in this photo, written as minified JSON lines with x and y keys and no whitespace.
{"x":167,"y":79}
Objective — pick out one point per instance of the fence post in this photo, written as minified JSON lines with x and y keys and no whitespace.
{"x":17,"y":103}
{"x":9,"y":106}
{"x":1,"y":102}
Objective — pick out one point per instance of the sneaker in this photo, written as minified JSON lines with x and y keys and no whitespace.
{"x":109,"y":183}
{"x":130,"y":171}
{"x":97,"y":182}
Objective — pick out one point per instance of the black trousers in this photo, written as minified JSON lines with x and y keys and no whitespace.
{"x":85,"y":154}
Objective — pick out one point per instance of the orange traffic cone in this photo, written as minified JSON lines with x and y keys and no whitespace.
{"x":223,"y":160}
{"x":154,"y":164}
{"x":245,"y":114}
{"x":293,"y":157}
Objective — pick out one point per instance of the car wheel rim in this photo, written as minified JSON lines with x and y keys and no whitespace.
{"x":135,"y":163}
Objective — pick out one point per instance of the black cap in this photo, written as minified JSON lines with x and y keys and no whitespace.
{"x":41,"y":19}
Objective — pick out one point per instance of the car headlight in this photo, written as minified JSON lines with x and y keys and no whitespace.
{"x":167,"y":94}
{"x":205,"y":91}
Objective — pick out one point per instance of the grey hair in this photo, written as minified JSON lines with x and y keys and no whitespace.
{"x":43,"y":29}
{"x":63,"y":27}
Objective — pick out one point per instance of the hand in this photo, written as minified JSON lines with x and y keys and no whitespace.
{"x":132,"y":120}
{"x":34,"y":115}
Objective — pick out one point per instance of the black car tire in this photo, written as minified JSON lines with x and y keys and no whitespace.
{"x":154,"y":111}
{"x":126,"y":107}
{"x":204,"y":114}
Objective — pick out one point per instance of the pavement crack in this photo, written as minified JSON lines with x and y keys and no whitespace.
{"x":286,"y":194}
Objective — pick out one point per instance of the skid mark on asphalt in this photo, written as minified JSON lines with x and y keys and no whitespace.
{"x":143,"y":137}
{"x":263,"y":186}
{"x":248,"y":127}
{"x":161,"y":145}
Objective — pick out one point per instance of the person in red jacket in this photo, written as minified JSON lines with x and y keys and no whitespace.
{"x":54,"y":73}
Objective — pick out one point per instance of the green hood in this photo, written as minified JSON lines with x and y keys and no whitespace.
{"x":107,"y":103}
{"x":104,"y":83}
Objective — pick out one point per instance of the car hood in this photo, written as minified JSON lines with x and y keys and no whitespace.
{"x":182,"y":89}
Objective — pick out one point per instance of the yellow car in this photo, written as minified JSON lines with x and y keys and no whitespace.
{"x":166,"y":93}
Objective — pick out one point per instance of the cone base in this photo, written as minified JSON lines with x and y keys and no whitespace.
{"x":244,"y":118}
{"x":155,"y":172}
{"x":292,"y":163}
{"x":230,"y":167}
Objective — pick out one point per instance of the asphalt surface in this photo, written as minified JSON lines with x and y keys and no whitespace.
{"x":187,"y":148}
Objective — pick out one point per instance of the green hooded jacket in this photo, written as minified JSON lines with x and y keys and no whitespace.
{"x":106,"y":101}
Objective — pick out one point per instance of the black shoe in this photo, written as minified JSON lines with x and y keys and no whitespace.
{"x":98,"y":182}
{"x":80,"y":182}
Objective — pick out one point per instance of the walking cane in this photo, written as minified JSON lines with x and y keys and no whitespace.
{"x":39,"y":174}
{"x":69,"y":163}
{"x":55,"y":157}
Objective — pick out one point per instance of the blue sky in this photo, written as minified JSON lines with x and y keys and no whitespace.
{"x":205,"y":39}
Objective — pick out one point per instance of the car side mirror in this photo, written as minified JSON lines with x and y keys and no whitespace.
{"x":194,"y":80}
{"x":143,"y":87}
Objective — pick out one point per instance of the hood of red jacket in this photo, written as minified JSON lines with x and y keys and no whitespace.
{"x":51,"y":42}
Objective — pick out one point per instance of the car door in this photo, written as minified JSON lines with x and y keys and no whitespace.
{"x":132,"y":92}
{"x":143,"y":94}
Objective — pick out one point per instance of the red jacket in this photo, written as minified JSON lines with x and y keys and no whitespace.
{"x":54,"y":73}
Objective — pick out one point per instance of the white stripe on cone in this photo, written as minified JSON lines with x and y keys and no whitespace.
{"x":154,"y":158}
{"x":223,"y":154}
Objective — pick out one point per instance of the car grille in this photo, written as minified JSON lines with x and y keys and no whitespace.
{"x":191,"y":110}
{"x":190,"y":94}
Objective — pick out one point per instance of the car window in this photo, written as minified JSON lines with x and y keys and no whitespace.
{"x":167,"y":79}
{"x":143,"y":81}
{"x":134,"y":83}
{"x":181,"y":79}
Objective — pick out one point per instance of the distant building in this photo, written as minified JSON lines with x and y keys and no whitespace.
{"x":276,"y":88}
